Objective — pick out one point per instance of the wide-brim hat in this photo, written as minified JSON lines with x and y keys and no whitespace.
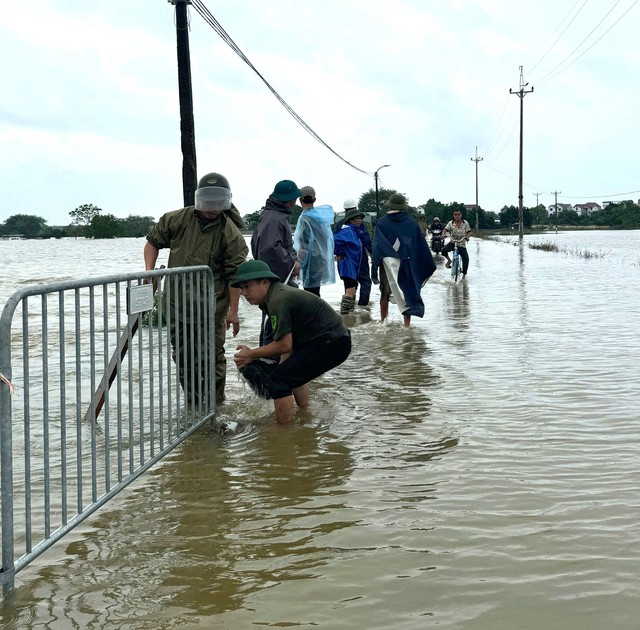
{"x":286,"y":190}
{"x":253,"y":270}
{"x":397,"y":202}
{"x":352,"y":214}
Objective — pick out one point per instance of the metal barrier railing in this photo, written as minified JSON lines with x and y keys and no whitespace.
{"x":68,"y":442}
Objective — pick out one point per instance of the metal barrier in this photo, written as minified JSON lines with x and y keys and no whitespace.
{"x":69,"y":443}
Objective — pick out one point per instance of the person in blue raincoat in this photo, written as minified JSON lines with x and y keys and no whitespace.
{"x":364,"y":276}
{"x":402,"y":258}
{"x":313,"y":242}
{"x":348,"y":253}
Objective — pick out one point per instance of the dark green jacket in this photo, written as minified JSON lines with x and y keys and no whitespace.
{"x":218,"y":244}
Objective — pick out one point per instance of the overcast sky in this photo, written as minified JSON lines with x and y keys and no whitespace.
{"x":89,"y":101}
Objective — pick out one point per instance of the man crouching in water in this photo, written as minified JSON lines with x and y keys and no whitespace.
{"x":309,"y":339}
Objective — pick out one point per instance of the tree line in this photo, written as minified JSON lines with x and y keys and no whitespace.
{"x":88,"y":221}
{"x":625,"y":215}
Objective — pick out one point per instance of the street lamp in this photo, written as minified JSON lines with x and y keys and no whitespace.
{"x":375,"y":177}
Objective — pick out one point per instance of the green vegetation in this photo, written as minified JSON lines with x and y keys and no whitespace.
{"x":548,"y":246}
{"x":88,"y":221}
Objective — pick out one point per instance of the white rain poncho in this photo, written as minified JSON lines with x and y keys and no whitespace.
{"x":313,"y":241}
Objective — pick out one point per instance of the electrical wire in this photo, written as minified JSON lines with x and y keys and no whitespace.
{"x":550,"y":75}
{"x":206,"y":15}
{"x":533,"y":187}
{"x":631,"y":192}
{"x":561,"y":34}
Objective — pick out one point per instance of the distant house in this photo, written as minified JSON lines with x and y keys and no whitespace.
{"x":559,"y":207}
{"x":585,"y":209}
{"x":615,"y":203}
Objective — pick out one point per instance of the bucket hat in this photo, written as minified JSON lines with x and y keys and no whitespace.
{"x":397,"y":202}
{"x":253,"y":270}
{"x":352,"y":214}
{"x":286,"y":190}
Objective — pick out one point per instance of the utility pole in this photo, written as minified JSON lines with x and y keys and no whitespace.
{"x":187,"y":131}
{"x":556,"y":193}
{"x":375,"y":177}
{"x":476,"y":160}
{"x":521,"y":94}
{"x":537,"y":196}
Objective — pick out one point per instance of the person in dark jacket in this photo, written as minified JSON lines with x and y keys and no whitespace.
{"x":272,"y":240}
{"x":401,"y":254}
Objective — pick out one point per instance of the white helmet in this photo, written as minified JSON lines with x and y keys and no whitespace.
{"x":349,"y":203}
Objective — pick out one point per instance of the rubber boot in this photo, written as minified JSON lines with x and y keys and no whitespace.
{"x":347,"y":304}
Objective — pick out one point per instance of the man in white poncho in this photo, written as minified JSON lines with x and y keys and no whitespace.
{"x":313,"y":242}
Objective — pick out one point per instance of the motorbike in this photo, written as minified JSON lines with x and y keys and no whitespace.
{"x":436,"y":241}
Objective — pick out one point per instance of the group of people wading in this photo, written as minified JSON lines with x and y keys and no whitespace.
{"x":301,"y":335}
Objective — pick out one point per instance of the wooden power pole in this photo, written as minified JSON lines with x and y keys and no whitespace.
{"x":187,"y":127}
{"x":521,"y":94}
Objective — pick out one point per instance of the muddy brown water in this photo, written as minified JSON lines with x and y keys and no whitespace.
{"x":480,"y":470}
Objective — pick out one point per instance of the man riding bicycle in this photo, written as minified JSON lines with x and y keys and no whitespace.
{"x":459,"y":233}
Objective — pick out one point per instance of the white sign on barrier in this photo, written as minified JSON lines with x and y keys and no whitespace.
{"x":140,"y":298}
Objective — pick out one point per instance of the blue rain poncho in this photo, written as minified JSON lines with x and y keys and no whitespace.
{"x":401,"y":250}
{"x":348,"y":249}
{"x":313,"y":241}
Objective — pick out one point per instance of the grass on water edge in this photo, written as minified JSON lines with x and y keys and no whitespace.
{"x":550,"y":246}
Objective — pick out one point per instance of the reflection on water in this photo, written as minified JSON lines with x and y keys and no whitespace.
{"x":477,"y":470}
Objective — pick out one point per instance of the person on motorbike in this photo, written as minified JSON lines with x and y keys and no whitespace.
{"x":435,"y":229}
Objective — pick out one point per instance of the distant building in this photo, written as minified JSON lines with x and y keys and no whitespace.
{"x":585,"y":209}
{"x":559,"y":207}
{"x":606,"y":204}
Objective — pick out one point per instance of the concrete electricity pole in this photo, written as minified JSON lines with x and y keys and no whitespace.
{"x":537,"y":196}
{"x":521,"y":94}
{"x":187,"y":131}
{"x":375,"y":177}
{"x":556,"y":193}
{"x":476,"y":160}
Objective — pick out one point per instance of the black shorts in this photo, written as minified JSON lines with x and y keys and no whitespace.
{"x":278,"y":380}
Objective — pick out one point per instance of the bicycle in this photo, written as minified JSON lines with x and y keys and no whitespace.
{"x":456,"y":263}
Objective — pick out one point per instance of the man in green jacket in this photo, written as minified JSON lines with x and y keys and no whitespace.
{"x":204,"y":234}
{"x":308,"y":335}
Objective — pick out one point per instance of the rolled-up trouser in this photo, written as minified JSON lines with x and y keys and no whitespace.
{"x":364,"y":279}
{"x":463,"y":253}
{"x":192,"y":362}
{"x":274,"y":380}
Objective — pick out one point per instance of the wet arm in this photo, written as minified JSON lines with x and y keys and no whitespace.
{"x":150,"y":256}
{"x":245,"y":355}
{"x":233,"y":320}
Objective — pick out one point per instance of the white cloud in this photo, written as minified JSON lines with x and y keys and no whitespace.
{"x":89,"y":101}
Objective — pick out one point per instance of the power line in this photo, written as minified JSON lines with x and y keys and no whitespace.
{"x":543,"y":190}
{"x":550,"y":74}
{"x":206,"y":15}
{"x":535,"y":65}
{"x":496,"y":136}
{"x":631,"y":192}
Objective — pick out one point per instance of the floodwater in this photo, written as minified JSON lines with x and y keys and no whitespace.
{"x":479,"y":470}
